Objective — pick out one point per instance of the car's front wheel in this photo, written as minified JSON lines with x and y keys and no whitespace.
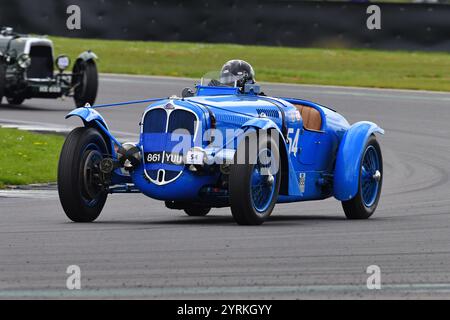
{"x":80,"y":188}
{"x":364,"y":204}
{"x":254,"y":180}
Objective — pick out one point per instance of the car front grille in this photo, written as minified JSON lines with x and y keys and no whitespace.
{"x":158,"y":139}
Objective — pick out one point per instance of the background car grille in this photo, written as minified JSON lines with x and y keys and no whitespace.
{"x":41,"y":62}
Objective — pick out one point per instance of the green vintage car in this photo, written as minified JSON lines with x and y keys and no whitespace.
{"x":27,"y":70}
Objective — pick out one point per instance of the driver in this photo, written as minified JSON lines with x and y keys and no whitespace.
{"x":238,"y":71}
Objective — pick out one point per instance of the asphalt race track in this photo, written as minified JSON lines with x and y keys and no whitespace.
{"x":140,"y":249}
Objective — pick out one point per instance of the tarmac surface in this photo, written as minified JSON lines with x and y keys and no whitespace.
{"x":140,"y":249}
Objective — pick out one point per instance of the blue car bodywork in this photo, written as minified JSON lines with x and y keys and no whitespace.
{"x":316,"y":163}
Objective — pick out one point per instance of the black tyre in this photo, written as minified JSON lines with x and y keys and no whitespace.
{"x":2,"y":80}
{"x":15,"y":100}
{"x":80,"y":191}
{"x":253,"y":185}
{"x":85,"y":81}
{"x":197,"y":211}
{"x":364,"y":204}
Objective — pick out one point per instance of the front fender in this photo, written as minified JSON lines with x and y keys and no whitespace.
{"x":348,"y":160}
{"x":261,"y":123}
{"x":88,"y":115}
{"x":91,"y":118}
{"x":291,"y":185}
{"x":87,"y":55}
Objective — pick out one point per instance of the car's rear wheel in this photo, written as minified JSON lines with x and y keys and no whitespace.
{"x":197,"y":211}
{"x":85,"y":81}
{"x":254,"y":180}
{"x":364,"y":204}
{"x":81,"y":192}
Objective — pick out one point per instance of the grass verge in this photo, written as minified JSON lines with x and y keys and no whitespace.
{"x":346,"y":67}
{"x":28,"y":157}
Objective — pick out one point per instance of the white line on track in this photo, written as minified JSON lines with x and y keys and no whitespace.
{"x":51,"y":127}
{"x":28,"y":194}
{"x":443,"y":288}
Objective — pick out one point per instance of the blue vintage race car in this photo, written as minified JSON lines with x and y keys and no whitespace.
{"x":224,"y":146}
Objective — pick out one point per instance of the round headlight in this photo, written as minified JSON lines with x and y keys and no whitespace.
{"x":24,"y":61}
{"x":62,"y":62}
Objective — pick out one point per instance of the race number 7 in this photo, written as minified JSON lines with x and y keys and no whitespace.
{"x":293,"y":144}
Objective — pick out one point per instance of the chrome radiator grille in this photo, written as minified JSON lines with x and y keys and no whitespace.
{"x":158,"y":141}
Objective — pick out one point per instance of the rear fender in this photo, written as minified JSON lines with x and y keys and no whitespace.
{"x":348,"y":160}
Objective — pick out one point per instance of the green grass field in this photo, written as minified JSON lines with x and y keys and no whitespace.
{"x":28,"y":157}
{"x":347,"y":67}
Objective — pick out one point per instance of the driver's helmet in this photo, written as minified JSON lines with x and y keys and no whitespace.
{"x":238,"y":71}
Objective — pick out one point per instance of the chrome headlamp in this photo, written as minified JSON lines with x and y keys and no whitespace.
{"x":62,"y":62}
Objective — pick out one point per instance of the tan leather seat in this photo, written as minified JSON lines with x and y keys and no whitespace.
{"x":311,"y":117}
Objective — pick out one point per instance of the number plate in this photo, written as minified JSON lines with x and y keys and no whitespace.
{"x":164,"y":157}
{"x":51,"y":89}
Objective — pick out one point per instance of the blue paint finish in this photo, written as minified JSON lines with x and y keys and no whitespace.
{"x":261,"y":123}
{"x":318,"y":164}
{"x":267,"y":124}
{"x":106,"y":131}
{"x":186,"y":187}
{"x":348,"y":161}
{"x":87,"y":115}
{"x":215,"y":91}
{"x":92,"y":117}
{"x":313,"y":190}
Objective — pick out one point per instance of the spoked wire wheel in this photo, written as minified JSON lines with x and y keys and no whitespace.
{"x":370,"y":176}
{"x":262,"y":182}
{"x":255,"y":183}
{"x":365,"y":202}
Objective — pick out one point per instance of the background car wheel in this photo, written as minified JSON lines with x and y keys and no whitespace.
{"x":85,"y":82}
{"x":81,"y":194}
{"x":15,"y":100}
{"x":364,"y":204}
{"x":253,"y":186}
{"x":2,"y":80}
{"x":196,"y":211}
